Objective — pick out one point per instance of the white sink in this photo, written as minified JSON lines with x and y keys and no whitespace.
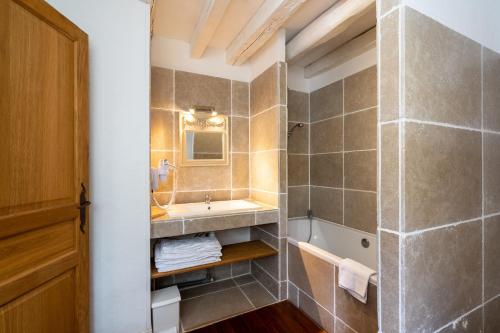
{"x":215,"y":208}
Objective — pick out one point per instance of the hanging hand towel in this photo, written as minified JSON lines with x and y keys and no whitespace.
{"x":354,"y":277}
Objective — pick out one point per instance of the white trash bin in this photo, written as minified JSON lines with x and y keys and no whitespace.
{"x":165,"y":307}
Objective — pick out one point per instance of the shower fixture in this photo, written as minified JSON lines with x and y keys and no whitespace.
{"x":290,"y":131}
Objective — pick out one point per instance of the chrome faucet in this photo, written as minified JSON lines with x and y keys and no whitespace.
{"x":208,"y":199}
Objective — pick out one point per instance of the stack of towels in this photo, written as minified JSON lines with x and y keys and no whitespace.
{"x":188,"y":251}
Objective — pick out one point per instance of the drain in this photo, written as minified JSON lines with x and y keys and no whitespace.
{"x":365,"y":243}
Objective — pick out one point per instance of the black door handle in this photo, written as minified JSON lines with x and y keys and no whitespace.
{"x":84,"y":203}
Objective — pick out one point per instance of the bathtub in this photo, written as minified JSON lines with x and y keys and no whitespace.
{"x":333,"y":242}
{"x":313,"y":275}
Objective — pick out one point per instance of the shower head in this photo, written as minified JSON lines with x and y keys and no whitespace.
{"x":290,"y":131}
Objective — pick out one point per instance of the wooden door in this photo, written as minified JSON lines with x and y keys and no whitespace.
{"x":43,"y":164}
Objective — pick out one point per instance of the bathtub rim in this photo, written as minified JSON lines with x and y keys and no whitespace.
{"x":324,"y":255}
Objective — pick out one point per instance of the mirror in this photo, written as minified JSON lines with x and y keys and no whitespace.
{"x":203,"y":138}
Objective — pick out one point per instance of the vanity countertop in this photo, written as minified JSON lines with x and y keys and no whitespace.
{"x":186,"y":222}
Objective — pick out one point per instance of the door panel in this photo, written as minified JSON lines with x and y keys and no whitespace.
{"x":43,"y":162}
{"x":23,"y":251}
{"x":57,"y":297}
{"x":41,"y":93}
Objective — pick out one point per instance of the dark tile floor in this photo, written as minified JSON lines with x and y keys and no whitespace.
{"x":206,"y":304}
{"x":281,"y":317}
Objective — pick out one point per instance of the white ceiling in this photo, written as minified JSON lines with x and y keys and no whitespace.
{"x":177,"y":19}
{"x":310,"y":10}
{"x":236,"y":17}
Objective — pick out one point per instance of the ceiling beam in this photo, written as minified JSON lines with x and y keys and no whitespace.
{"x":329,"y":25}
{"x":342,"y":54}
{"x":267,"y":20}
{"x":211,"y":16}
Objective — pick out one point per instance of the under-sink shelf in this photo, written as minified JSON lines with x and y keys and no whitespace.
{"x":230,"y":254}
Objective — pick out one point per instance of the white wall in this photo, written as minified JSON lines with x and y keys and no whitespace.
{"x":354,"y":65}
{"x":119,"y":160}
{"x":296,"y":80}
{"x":476,"y":19}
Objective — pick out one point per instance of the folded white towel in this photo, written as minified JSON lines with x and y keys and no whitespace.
{"x":173,"y":247}
{"x":354,"y":277}
{"x":187,"y":251}
{"x":168,"y":267}
{"x":188,"y":258}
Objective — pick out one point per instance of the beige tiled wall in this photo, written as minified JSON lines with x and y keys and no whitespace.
{"x":268,"y":170}
{"x":332,"y":169}
{"x":176,"y":91}
{"x":298,"y":154}
{"x":343,"y":154}
{"x":439,"y":177}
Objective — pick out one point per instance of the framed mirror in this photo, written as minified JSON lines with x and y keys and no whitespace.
{"x":203,"y":137}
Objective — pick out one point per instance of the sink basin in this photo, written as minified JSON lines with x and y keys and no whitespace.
{"x":215,"y":208}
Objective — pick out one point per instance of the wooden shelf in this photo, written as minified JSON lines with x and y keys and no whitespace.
{"x":230,"y":254}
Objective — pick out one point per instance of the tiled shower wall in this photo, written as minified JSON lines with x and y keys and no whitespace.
{"x":334,"y":173}
{"x":268,"y":169}
{"x":343,"y":151}
{"x":176,"y":91}
{"x":298,"y":154}
{"x":439,"y":178}
{"x":332,"y":169}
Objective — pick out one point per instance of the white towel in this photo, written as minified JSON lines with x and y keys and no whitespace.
{"x":169,"y":267}
{"x":189,"y":257}
{"x":172,"y":248}
{"x":187,"y":251}
{"x":354,"y":277}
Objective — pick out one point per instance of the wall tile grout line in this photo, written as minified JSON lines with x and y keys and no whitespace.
{"x":390,"y":11}
{"x":326,"y":119}
{"x":343,"y":152}
{"x":257,"y":226}
{"x":266,"y":150}
{"x":389,"y":231}
{"x":256,"y":280}
{"x":422,"y":231}
{"x":458,"y":319}
{"x":326,"y":153}
{"x":312,"y":299}
{"x":482,"y":180}
{"x":309,"y":150}
{"x":401,"y":104}
{"x":360,"y":110}
{"x":174,"y":140}
{"x":275,"y":106}
{"x":267,"y":273}
{"x":231,"y":141}
{"x":442,"y":124}
{"x":379,"y":172}
{"x":338,"y":188}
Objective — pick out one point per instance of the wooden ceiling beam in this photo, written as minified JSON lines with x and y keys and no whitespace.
{"x":210,"y":18}
{"x":342,"y":54}
{"x":267,"y":20}
{"x":327,"y":26}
